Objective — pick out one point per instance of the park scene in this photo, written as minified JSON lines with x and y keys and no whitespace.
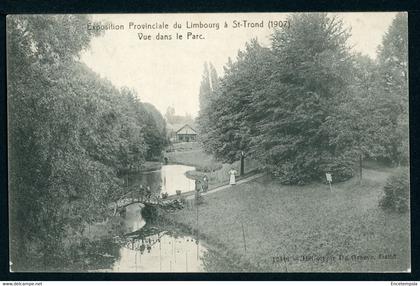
{"x":281,"y":150}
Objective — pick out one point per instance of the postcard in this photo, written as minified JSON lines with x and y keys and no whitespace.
{"x":222,"y":142}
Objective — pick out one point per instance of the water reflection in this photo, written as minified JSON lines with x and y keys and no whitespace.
{"x":154,"y":248}
{"x":149,"y":248}
{"x":133,"y":219}
{"x":160,"y":252}
{"x":93,"y":255}
{"x":168,"y":179}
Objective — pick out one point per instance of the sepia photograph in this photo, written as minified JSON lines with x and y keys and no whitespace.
{"x":208,"y":142}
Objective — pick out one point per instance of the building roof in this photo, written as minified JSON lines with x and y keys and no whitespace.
{"x":186,"y":130}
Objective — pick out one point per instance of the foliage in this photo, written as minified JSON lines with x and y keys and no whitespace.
{"x":226,"y":124}
{"x":209,"y":84}
{"x":214,"y":78}
{"x":306,"y":105}
{"x":356,"y":122}
{"x":205,"y":88}
{"x":172,"y":118}
{"x":396,"y":192}
{"x":392,"y":96}
{"x":273,"y":103}
{"x":155,"y":131}
{"x":71,"y":135}
{"x":308,"y":82}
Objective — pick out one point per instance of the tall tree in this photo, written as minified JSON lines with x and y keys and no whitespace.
{"x":227,"y":123}
{"x":155,"y":132}
{"x":71,"y":133}
{"x":214,"y":79}
{"x":356,"y":126}
{"x":40,"y":125}
{"x":205,"y":88}
{"x":393,"y":95}
{"x":309,"y":80}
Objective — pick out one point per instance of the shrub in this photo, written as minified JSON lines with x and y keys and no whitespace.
{"x":289,"y":173}
{"x":210,"y":167}
{"x":396,"y":192}
{"x":340,"y":171}
{"x":300,"y":171}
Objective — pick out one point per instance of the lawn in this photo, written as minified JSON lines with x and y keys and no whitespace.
{"x":221,"y":176}
{"x":305,"y":228}
{"x":195,"y":157}
{"x":191,"y":154}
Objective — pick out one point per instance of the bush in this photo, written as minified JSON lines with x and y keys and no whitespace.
{"x":396,"y":192}
{"x":289,"y":173}
{"x":210,"y":167}
{"x":340,"y":171}
{"x":305,"y":169}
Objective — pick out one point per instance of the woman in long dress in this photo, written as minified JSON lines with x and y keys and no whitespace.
{"x":232,"y":174}
{"x":205,"y":185}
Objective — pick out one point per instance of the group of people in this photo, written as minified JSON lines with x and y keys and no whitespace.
{"x":202,"y":185}
{"x":145,"y":193}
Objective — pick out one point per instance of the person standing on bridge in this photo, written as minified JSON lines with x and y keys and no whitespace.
{"x":197,"y":185}
{"x":148,"y":193}
{"x":198,"y":189}
{"x":141,"y":193}
{"x":232,"y":174}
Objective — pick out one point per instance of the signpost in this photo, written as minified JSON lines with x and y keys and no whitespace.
{"x":329,"y":179}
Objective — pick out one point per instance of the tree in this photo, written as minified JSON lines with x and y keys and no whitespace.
{"x":155,"y":132}
{"x":38,"y":122}
{"x":227,"y":123}
{"x":309,"y":80}
{"x":393,"y":92}
{"x":71,"y":134}
{"x":372,"y":120}
{"x":356,"y":126}
{"x":205,"y":88}
{"x":214,"y":79}
{"x":170,"y":114}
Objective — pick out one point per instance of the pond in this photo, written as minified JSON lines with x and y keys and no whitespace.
{"x":154,"y":249}
{"x":148,"y":248}
{"x":168,"y":179}
{"x":160,"y":247}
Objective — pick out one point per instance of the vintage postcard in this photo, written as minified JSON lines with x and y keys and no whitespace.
{"x":224,"y":142}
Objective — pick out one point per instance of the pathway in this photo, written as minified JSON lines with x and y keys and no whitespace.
{"x":125,"y":201}
{"x":191,"y":195}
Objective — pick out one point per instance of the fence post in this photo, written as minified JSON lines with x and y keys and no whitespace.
{"x":243,"y":235}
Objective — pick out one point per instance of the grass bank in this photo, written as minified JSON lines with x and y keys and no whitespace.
{"x":221,"y":176}
{"x":149,"y":166}
{"x":218,"y":257}
{"x":192,"y":154}
{"x":305,"y":228}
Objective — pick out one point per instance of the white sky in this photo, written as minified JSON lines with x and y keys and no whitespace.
{"x":168,"y":73}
